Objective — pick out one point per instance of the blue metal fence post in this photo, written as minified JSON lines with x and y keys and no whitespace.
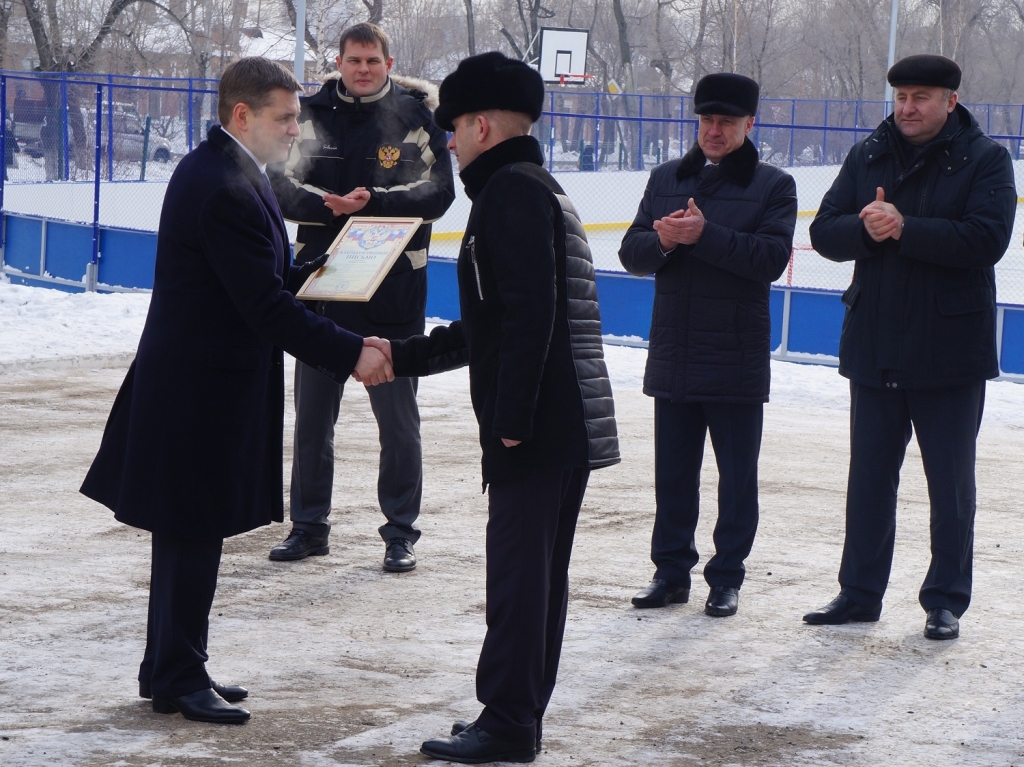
{"x":110,"y":127}
{"x":67,"y":118}
{"x":792,"y":130}
{"x":682,"y":115}
{"x":92,"y":271}
{"x":824,"y":137}
{"x":597,"y":131}
{"x":4,"y":138}
{"x":551,"y":135}
{"x":191,"y":127}
{"x":1020,"y":130}
{"x":640,"y":137}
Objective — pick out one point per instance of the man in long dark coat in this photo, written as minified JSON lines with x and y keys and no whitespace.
{"x":192,"y":448}
{"x":924,"y":208}
{"x":716,"y":229}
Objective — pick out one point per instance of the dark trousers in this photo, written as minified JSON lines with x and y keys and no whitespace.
{"x":679,"y":432}
{"x":400,"y":474}
{"x":530,"y":526}
{"x":181,"y":588}
{"x":947,"y":421}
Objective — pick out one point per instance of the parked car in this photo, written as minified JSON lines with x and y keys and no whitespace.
{"x":129,"y":136}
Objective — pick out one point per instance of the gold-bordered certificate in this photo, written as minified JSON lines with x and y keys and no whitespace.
{"x":360,"y":258}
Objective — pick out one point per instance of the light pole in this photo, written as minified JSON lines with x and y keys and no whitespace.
{"x":300,"y":40}
{"x":893,"y":16}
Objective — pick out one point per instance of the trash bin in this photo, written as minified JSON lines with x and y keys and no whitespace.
{"x":587,"y":158}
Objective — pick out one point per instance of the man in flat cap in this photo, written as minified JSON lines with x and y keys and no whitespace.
{"x":531,"y":335}
{"x":716,"y":229}
{"x":924,"y":208}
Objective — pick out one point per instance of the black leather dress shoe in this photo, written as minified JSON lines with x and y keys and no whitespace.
{"x":462,"y":724}
{"x":474,"y":746}
{"x":232,"y":693}
{"x":202,"y":706}
{"x":723,"y":601}
{"x":659,"y":593}
{"x":941,"y":624}
{"x":842,"y":609}
{"x":298,"y":545}
{"x":399,"y":556}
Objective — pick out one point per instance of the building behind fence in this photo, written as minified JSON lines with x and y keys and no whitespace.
{"x":76,"y":146}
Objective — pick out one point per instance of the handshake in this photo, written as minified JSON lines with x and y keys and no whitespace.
{"x":374,"y":364}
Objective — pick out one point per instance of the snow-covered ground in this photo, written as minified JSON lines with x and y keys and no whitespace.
{"x":352,"y":666}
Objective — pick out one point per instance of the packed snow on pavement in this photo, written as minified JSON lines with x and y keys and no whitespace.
{"x":348,"y":665}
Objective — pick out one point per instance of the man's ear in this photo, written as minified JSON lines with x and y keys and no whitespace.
{"x":240,"y":115}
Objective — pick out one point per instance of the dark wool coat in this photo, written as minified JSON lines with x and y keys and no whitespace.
{"x":389,"y":144}
{"x":711,"y":329}
{"x":194,"y":439}
{"x":530,"y":328}
{"x":921,"y":310}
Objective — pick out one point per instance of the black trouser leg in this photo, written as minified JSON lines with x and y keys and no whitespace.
{"x":530,"y":528}
{"x":880,"y":429}
{"x":679,"y":432}
{"x":947,"y":422}
{"x":317,"y":404}
{"x":736,"y":437}
{"x":181,"y":589}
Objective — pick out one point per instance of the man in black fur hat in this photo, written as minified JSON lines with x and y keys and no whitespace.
{"x":716,"y":229}
{"x":924,"y":208}
{"x":532,"y":339}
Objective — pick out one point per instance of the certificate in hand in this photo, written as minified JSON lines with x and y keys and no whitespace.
{"x":360,"y":258}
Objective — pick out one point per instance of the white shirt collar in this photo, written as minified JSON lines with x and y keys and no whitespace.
{"x":261,"y":165}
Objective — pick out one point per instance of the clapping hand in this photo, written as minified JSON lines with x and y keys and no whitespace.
{"x":373,"y":366}
{"x":881,"y":219}
{"x":682,"y":227}
{"x":301,"y":273}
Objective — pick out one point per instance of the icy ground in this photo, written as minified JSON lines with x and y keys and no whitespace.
{"x":348,"y":665}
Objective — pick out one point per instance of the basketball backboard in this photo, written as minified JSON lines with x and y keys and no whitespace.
{"x":563,"y":54}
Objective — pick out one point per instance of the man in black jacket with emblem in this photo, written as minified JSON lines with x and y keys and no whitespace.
{"x":531,"y":334}
{"x":924,"y":208}
{"x":368,"y":147}
{"x":716,"y":229}
{"x":192,"y":448}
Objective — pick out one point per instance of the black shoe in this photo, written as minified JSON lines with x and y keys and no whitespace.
{"x":474,"y":746}
{"x":399,"y":556}
{"x":842,"y":609}
{"x":941,"y":624}
{"x":659,"y":593}
{"x":202,"y":706}
{"x":232,"y":693}
{"x":462,"y":724}
{"x":298,"y":545}
{"x":723,"y":601}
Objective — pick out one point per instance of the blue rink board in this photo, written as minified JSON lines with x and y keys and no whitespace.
{"x":128,"y":258}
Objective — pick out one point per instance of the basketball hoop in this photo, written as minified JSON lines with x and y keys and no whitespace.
{"x":574,"y":79}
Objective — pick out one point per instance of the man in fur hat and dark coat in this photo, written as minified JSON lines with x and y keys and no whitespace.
{"x":924,"y":208}
{"x":530,"y":331}
{"x":368,"y":147}
{"x":715,"y":228}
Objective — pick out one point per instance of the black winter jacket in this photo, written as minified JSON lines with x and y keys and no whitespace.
{"x":921,"y":310}
{"x":711,"y":329}
{"x":530,"y":328}
{"x":389,"y":144}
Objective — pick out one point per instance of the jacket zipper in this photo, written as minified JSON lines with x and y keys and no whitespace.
{"x":476,"y":266}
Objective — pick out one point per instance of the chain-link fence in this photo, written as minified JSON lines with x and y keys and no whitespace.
{"x":98,"y":149}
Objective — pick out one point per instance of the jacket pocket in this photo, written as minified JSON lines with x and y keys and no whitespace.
{"x":233,"y":357}
{"x":851,"y":294}
{"x":976,"y":299}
